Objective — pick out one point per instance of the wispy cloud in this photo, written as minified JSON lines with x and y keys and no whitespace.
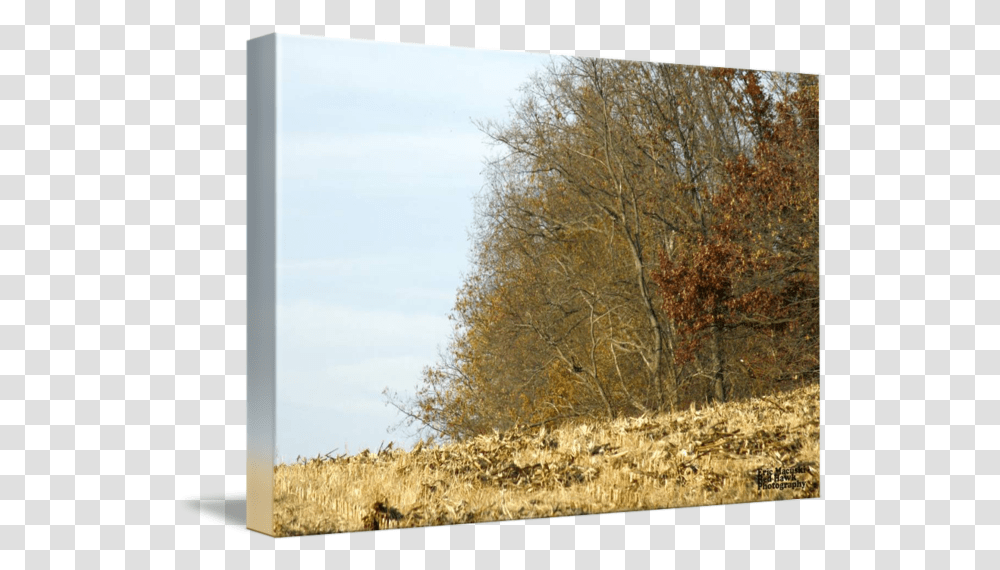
{"x":435,"y":162}
{"x":334,"y":327}
{"x":426,"y":276}
{"x":354,"y":386}
{"x":333,"y":364}
{"x":338,"y":267}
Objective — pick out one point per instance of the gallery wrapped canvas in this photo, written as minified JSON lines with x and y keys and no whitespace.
{"x":487,"y":286}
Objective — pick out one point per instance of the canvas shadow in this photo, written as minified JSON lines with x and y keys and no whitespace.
{"x":232,"y":509}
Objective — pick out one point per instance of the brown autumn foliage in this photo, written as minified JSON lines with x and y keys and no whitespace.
{"x":712,"y":455}
{"x":755,"y":266}
{"x":648,"y":237}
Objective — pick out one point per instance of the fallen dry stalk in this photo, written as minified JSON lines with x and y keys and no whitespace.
{"x":704,"y":457}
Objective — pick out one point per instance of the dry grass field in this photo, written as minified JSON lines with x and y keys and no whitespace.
{"x":714,"y":455}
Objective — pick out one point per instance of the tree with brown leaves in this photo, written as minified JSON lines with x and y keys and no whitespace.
{"x":754,"y":270}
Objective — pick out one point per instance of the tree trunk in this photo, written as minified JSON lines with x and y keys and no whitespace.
{"x":719,"y":387}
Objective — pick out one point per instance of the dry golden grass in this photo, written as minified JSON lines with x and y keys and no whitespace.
{"x":698,"y":457}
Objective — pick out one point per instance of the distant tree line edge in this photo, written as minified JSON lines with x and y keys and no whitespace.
{"x":648,"y":237}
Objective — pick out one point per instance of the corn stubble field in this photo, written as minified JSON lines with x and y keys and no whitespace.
{"x":699,"y":457}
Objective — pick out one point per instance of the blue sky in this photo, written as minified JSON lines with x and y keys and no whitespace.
{"x":378,"y":162}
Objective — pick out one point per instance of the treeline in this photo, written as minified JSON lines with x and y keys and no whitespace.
{"x":648,"y":236}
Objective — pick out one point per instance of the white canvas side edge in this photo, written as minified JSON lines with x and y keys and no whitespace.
{"x":261,"y":279}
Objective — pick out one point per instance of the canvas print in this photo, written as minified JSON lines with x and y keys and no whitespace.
{"x":488,"y":285}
